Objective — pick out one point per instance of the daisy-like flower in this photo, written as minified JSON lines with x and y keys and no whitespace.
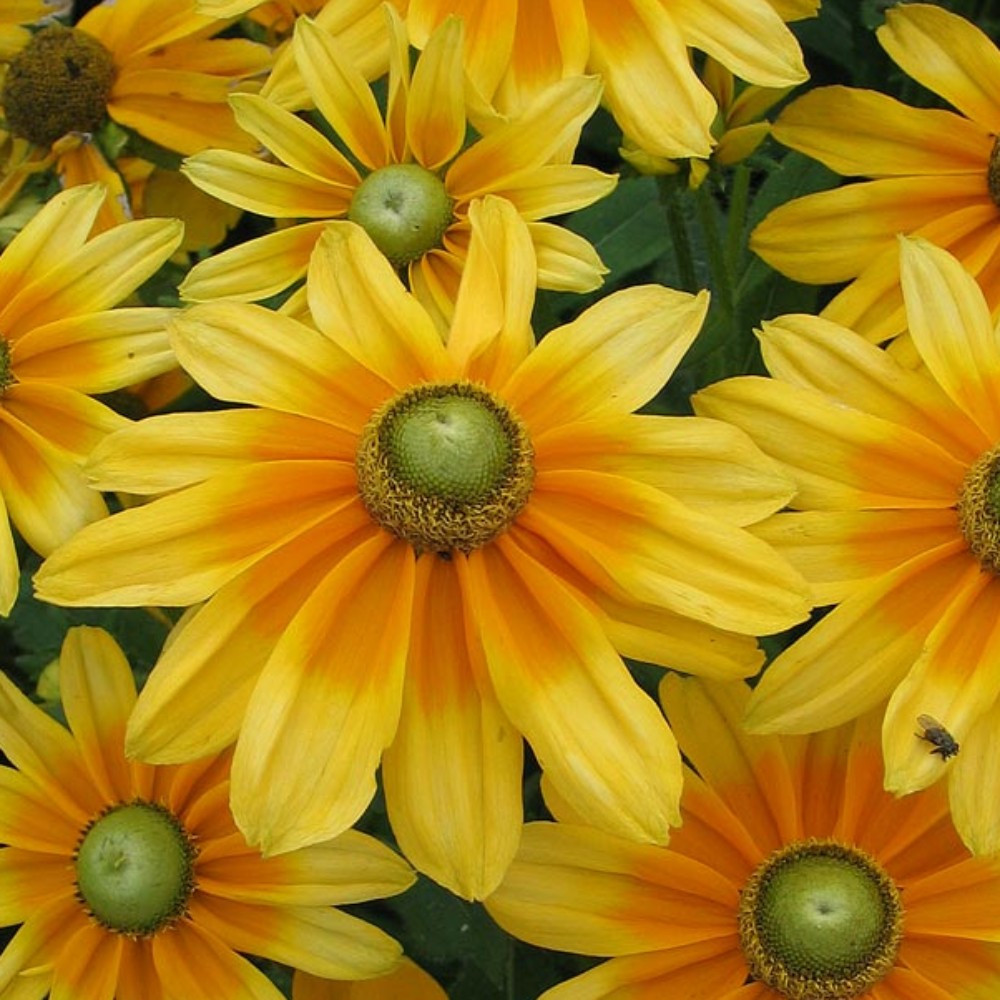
{"x":935,"y":173}
{"x":418,"y":550}
{"x":897,"y":523}
{"x":517,"y":49}
{"x":415,"y":182}
{"x":151,"y":66}
{"x":794,"y":877}
{"x":61,"y":342}
{"x":408,"y":980}
{"x":131,"y":881}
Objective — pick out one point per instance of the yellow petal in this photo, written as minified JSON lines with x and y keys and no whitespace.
{"x":613,"y":358}
{"x":490,"y":332}
{"x":640,"y":545}
{"x":435,"y":107}
{"x":408,"y":980}
{"x":195,"y":699}
{"x":360,"y":304}
{"x":747,"y":36}
{"x":814,"y":353}
{"x":320,"y":940}
{"x":951,"y":327}
{"x":839,"y":457}
{"x":655,"y":96}
{"x":87,"y":964}
{"x":327,"y":703}
{"x":566,"y":262}
{"x":852,"y":659}
{"x":255,"y":269}
{"x":175,"y":551}
{"x":341,"y":93}
{"x":949,"y":55}
{"x":831,"y":236}
{"x":600,"y":739}
{"x":975,"y":777}
{"x":865,"y":133}
{"x":556,"y":188}
{"x":712,"y":467}
{"x":10,"y":577}
{"x":954,"y":680}
{"x":293,"y":141}
{"x":453,"y":773}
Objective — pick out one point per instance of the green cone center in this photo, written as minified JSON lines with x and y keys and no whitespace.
{"x":979,"y":509}
{"x":445,"y":466}
{"x":134,"y":869}
{"x":820,"y":921}
{"x":58,"y":83}
{"x":993,"y":173}
{"x":404,"y":208}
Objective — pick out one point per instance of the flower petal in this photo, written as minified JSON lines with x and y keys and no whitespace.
{"x":452,"y":775}
{"x":98,"y":693}
{"x":174,"y":551}
{"x":638,"y":544}
{"x":255,"y":269}
{"x":975,"y":776}
{"x":600,"y":739}
{"x":852,"y":659}
{"x":839,"y":457}
{"x":341,"y":93}
{"x":863,"y":132}
{"x":87,"y":965}
{"x":327,"y":703}
{"x":245,"y":353}
{"x":951,"y":327}
{"x":613,"y":358}
{"x":566,"y":262}
{"x":320,"y":940}
{"x":578,"y":889}
{"x":358,"y":301}
{"x":194,"y":964}
{"x":950,"y":56}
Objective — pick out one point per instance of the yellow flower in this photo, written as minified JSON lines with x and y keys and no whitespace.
{"x":61,"y":342}
{"x":132,"y":881}
{"x":936,"y":173}
{"x":409,"y":982}
{"x":897,"y":522}
{"x":415,"y":183}
{"x":419,"y":551}
{"x":148,"y":65}
{"x":639,"y":47}
{"x":794,"y":876}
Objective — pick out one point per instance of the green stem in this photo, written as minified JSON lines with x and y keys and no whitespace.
{"x":667,"y":186}
{"x":738,"y":201}
{"x":721,"y":276}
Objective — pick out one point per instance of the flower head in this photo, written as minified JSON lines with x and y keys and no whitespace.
{"x":794,"y":877}
{"x":62,"y":342}
{"x":408,"y":181}
{"x":897,"y":523}
{"x":934,"y":173}
{"x":131,"y":880}
{"x":151,"y":66}
{"x":418,"y":551}
{"x":638,"y":47}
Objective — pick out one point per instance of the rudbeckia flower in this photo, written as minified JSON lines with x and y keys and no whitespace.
{"x":639,"y":47}
{"x":408,"y":980}
{"x":147,"y":65}
{"x":933,"y":173}
{"x":415,"y":182}
{"x":61,"y":342}
{"x":897,"y":523}
{"x":794,"y":877}
{"x":131,"y":881}
{"x":418,"y":551}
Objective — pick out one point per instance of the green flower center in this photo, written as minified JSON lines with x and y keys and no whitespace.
{"x":405,"y":209}
{"x":979,"y":510}
{"x":444,"y":466}
{"x":58,"y":83}
{"x":135,"y":868}
{"x":993,"y":173}
{"x":820,"y":921}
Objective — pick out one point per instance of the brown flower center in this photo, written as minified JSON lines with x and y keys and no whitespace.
{"x":979,"y":509}
{"x":58,"y":83}
{"x":993,"y":173}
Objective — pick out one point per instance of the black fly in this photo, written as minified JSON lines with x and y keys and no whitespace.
{"x":945,"y":745}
